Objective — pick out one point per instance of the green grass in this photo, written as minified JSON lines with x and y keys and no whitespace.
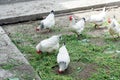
{"x":7,"y":66}
{"x":81,"y":51}
{"x":10,"y":64}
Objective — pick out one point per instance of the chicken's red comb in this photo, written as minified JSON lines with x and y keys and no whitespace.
{"x":70,"y":18}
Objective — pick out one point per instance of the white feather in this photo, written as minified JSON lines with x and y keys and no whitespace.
{"x":77,"y":27}
{"x":114,"y":27}
{"x":97,"y":18}
{"x":48,"y":22}
{"x":63,"y":56}
{"x":49,"y":45}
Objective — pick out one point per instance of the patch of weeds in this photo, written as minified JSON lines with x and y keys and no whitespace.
{"x":11,"y":64}
{"x":8,"y":66}
{"x":79,"y":69}
{"x":18,"y":41}
{"x":104,"y":74}
{"x":27,"y":49}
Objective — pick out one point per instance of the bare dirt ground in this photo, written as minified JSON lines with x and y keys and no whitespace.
{"x":62,"y":23}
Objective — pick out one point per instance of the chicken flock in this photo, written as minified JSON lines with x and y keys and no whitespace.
{"x":52,"y":44}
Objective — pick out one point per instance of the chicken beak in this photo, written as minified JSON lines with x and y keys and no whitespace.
{"x":39,"y":52}
{"x":60,"y":72}
{"x":37,"y":29}
{"x":109,"y":20}
{"x":70,"y":18}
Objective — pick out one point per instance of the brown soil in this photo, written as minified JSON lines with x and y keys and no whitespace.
{"x":78,"y":69}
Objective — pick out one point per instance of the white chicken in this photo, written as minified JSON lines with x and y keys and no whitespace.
{"x":49,"y":45}
{"x":114,"y":27}
{"x":63,"y":59}
{"x":77,"y":27}
{"x":47,"y":23}
{"x":97,"y":19}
